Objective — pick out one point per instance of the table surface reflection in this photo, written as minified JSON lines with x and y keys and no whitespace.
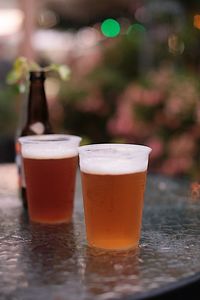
{"x":54,"y":262}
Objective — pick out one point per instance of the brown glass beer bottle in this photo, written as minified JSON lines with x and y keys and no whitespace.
{"x":37,"y":122}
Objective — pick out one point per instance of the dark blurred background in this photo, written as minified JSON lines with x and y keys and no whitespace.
{"x":135,"y":68}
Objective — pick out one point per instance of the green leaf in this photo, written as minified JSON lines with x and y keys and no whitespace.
{"x":13,"y":77}
{"x":19,"y":70}
{"x":64,"y":72}
{"x":33,"y":66}
{"x":53,"y":67}
{"x":22,"y":66}
{"x":22,"y":87}
{"x":21,"y":63}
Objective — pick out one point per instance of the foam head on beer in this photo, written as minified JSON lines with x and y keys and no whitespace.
{"x":50,"y":163}
{"x":113,"y":183}
{"x":49,"y":146}
{"x":113,"y":158}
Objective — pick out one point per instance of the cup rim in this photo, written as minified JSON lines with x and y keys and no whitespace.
{"x":102,"y":146}
{"x":48,"y":138}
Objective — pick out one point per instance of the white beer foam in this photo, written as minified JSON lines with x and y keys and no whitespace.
{"x":113,"y":159}
{"x":49,"y":146}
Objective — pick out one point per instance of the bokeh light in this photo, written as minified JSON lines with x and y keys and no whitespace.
{"x":136,"y":28}
{"x":87,"y":37}
{"x":143,"y":15}
{"x":197,"y":21}
{"x":175,"y":44}
{"x":10,"y":21}
{"x":48,"y":18}
{"x":110,"y":28}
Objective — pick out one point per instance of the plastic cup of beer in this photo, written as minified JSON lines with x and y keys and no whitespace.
{"x":50,"y":164}
{"x":113,"y":184}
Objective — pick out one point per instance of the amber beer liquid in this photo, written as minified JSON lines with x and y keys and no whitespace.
{"x":118,"y":208}
{"x":113,"y":183}
{"x":47,"y":204}
{"x":50,"y":164}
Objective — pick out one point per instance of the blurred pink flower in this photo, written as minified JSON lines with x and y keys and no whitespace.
{"x":162,"y":77}
{"x":86,"y":62}
{"x":157,"y":147}
{"x":121,"y":126}
{"x":125,"y":123}
{"x":93,"y":103}
{"x":131,"y":94}
{"x":174,"y":106}
{"x":183,"y":145}
{"x":122,"y":123}
{"x":150,"y":97}
{"x":175,"y":166}
{"x":137,"y":94}
{"x":194,"y":131}
{"x":167,"y":121}
{"x":197,"y":113}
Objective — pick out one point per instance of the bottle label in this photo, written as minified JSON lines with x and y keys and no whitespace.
{"x":20,"y":166}
{"x":37,"y":128}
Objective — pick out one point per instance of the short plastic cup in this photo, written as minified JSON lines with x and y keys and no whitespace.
{"x":50,"y":163}
{"x":113,"y":184}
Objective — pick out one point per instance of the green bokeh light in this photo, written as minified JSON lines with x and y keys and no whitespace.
{"x":110,"y":28}
{"x":136,"y":28}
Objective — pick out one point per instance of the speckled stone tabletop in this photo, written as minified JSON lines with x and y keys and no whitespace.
{"x":54,"y":262}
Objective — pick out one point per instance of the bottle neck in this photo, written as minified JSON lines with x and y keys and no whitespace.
{"x":37,"y":103}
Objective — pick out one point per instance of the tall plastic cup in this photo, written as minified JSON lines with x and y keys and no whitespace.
{"x":50,"y":163}
{"x":113,"y":184}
